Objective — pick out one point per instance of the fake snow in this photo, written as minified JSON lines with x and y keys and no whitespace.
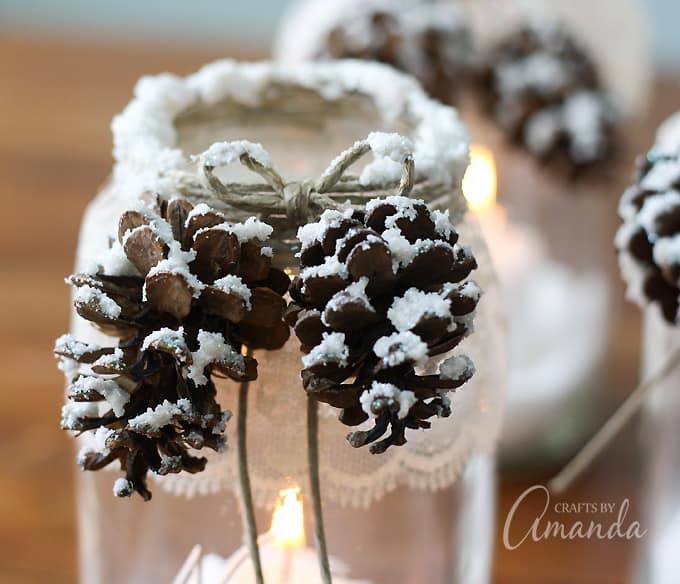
{"x":331,"y":349}
{"x":355,"y":293}
{"x":114,"y":262}
{"x":220,"y":427}
{"x":392,"y":146}
{"x":252,"y":228}
{"x":442,"y":223}
{"x":656,"y":206}
{"x":198,"y":211}
{"x":459,"y":367}
{"x":635,"y":275}
{"x":169,"y":464}
{"x":162,"y":415}
{"x":465,"y":322}
{"x":167,"y":336}
{"x":233,"y":284}
{"x":359,"y":144}
{"x":331,"y":267}
{"x":471,"y":290}
{"x":540,"y":71}
{"x":667,"y":251}
{"x":624,"y":234}
{"x":72,"y":346}
{"x":584,"y":115}
{"x":178,"y":262}
{"x":97,"y":444}
{"x":380,"y":172}
{"x":69,"y":367}
{"x":392,"y":394}
{"x":404,"y":205}
{"x":159,"y":226}
{"x":465,"y":251}
{"x":424,"y":245}
{"x":223,"y":153}
{"x":313,"y":233}
{"x":115,"y":396}
{"x":668,"y":136}
{"x":100,"y":436}
{"x":663,"y":175}
{"x":212,"y":349}
{"x":401,"y":250}
{"x":627,"y":209}
{"x":401,"y":348}
{"x":468,"y":289}
{"x":407,"y":311}
{"x":94,"y":297}
{"x":111,"y":360}
{"x":73,"y":412}
{"x":542,"y":130}
{"x":122,"y":487}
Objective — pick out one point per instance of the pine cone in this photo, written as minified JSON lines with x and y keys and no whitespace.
{"x":184,"y":291}
{"x":378,"y":294}
{"x":545,"y":92}
{"x":433,"y":43}
{"x":649,"y":239}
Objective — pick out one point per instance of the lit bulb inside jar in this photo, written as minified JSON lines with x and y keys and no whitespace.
{"x":288,"y":529}
{"x":480,"y":182}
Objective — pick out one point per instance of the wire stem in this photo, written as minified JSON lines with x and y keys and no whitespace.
{"x":315,"y":489}
{"x":249,"y":525}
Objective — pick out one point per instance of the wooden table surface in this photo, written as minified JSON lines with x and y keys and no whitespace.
{"x":56,"y":101}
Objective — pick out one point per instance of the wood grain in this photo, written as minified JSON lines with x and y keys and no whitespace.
{"x":56,"y":102}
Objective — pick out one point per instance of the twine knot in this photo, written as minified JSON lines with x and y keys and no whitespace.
{"x":297,"y":197}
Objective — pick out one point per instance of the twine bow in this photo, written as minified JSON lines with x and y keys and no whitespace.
{"x":298,"y":201}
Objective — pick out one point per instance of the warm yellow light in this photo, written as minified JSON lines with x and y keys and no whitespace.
{"x":480,"y":181}
{"x":288,"y":525}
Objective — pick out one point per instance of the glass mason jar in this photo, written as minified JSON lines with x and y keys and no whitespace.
{"x":549,"y":236}
{"x":659,"y":562}
{"x":420,"y":513}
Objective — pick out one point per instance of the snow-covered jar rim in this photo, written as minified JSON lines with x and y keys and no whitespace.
{"x":148,"y":136}
{"x":145,"y":135}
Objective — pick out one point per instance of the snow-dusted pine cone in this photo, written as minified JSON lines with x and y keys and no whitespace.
{"x":430,"y":41}
{"x":543,"y":89}
{"x":184,"y":291}
{"x":649,"y":239}
{"x":378,"y":294}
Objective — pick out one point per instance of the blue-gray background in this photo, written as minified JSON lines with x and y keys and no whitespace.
{"x":225,"y":22}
